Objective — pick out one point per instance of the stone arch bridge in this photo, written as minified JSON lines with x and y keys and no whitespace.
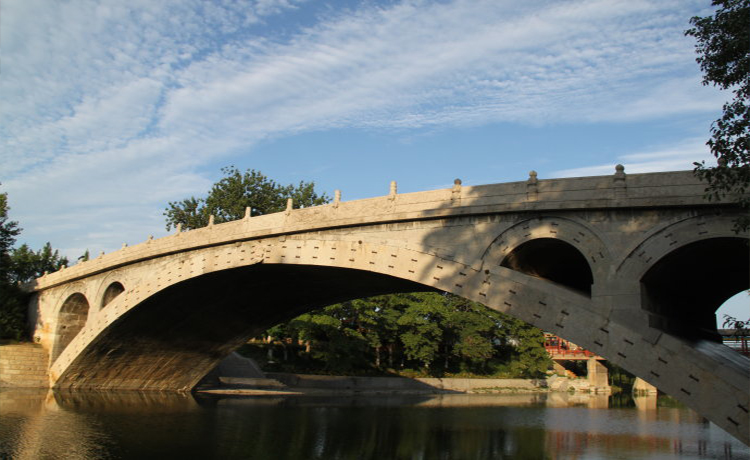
{"x":631,"y":267}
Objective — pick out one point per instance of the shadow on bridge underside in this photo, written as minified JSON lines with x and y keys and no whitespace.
{"x":172,"y":339}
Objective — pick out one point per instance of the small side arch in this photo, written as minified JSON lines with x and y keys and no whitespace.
{"x":70,"y":320}
{"x":553,"y":260}
{"x":671,"y":236}
{"x":683,"y":289}
{"x":578,"y":257}
{"x":113,"y":290}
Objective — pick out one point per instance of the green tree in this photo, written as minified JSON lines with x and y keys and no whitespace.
{"x":338,"y":346}
{"x":9,"y":229}
{"x":19,"y":265}
{"x":526,"y":354}
{"x":723,"y":48}
{"x":12,"y":311}
{"x":229,"y":197}
{"x":416,"y":330}
{"x":421,"y":327}
{"x":473,"y":331}
{"x":28,"y":264}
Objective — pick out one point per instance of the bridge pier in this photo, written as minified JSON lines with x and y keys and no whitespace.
{"x":641,"y":387}
{"x":598,"y":376}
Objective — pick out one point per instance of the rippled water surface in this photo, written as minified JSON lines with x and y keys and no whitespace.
{"x":49,"y":425}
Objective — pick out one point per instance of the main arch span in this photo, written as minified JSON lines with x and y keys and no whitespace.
{"x":632,"y":268}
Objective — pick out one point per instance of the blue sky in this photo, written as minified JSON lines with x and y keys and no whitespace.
{"x":110,"y":109}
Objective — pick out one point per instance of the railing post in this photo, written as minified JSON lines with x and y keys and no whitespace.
{"x":456,"y":191}
{"x":532,"y":190}
{"x":621,"y":189}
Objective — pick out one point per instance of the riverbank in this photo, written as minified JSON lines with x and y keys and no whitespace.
{"x":285,"y":383}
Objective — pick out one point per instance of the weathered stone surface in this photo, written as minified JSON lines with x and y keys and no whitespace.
{"x":602,"y":261}
{"x":24,"y":365}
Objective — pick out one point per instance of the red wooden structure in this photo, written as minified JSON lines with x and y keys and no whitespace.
{"x":561,"y":349}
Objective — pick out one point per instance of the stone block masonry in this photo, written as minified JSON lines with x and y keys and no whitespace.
{"x":24,"y":365}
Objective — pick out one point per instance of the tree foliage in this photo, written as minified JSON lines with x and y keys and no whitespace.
{"x":19,"y":265}
{"x":437,"y":334}
{"x":29,"y":264}
{"x":234,"y":193}
{"x":723,"y":48}
{"x":12,"y":317}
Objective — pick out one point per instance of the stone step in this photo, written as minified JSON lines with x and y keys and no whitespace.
{"x":21,"y":355}
{"x":253,"y":382}
{"x":25,"y":359}
{"x":29,"y":348}
{"x":23,"y":377}
{"x":27,"y":378}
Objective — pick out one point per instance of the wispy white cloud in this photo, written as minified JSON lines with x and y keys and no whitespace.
{"x":661,"y":158}
{"x":116,"y":105}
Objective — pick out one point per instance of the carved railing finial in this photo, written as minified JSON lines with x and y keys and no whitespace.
{"x":532,"y":186}
{"x":456,"y":191}
{"x":289,"y":206}
{"x":619,"y":181}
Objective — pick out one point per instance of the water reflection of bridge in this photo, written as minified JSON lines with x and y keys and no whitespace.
{"x":52,"y":424}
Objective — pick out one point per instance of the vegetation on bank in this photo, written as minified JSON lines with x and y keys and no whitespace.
{"x":414,"y":335}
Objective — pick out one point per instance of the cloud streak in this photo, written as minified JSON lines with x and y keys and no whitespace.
{"x":131,"y":99}
{"x":661,"y":158}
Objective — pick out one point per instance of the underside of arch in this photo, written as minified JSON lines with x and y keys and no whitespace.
{"x":553,"y":260}
{"x":73,"y":315}
{"x":683,"y":290}
{"x":113,"y":290}
{"x":175,"y":337}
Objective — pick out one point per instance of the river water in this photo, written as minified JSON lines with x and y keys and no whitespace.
{"x":48,"y":425}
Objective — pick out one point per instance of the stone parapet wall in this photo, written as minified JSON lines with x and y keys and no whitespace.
{"x":24,"y":365}
{"x":664,"y":189}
